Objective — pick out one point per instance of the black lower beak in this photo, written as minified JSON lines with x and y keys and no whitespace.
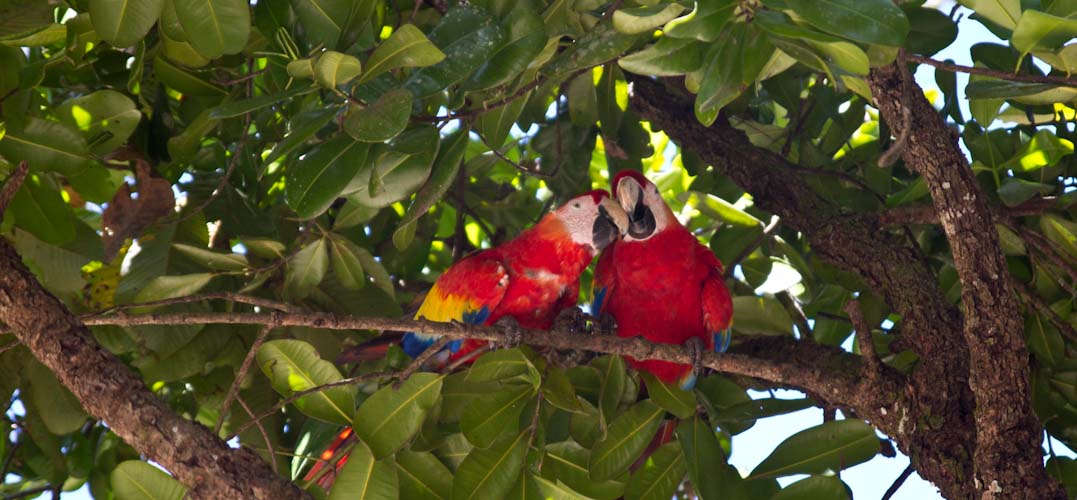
{"x":641,"y":219}
{"x":604,"y":231}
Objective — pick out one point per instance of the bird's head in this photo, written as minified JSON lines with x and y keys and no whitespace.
{"x":592,"y":219}
{"x":647,"y":212}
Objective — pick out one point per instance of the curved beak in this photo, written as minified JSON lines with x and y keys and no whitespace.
{"x":641,"y":223}
{"x":611,"y":223}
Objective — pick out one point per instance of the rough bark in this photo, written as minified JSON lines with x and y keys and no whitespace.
{"x":1008,"y":460}
{"x":110,"y":391}
{"x":933,"y":421}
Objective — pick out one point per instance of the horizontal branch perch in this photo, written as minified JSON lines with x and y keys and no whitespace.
{"x":827,"y":371}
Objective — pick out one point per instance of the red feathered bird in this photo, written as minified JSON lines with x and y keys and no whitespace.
{"x":659,"y":282}
{"x":531,"y":279}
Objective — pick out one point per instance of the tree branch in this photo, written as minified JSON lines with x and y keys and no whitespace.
{"x":11,"y":186}
{"x":1002,"y":75}
{"x":1008,"y":434}
{"x":110,"y":391}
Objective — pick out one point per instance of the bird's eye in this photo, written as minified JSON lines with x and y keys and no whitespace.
{"x":576,"y":205}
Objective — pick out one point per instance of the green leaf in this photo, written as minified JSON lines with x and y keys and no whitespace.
{"x":123,"y":23}
{"x":761,"y":316}
{"x":704,"y":23}
{"x":1045,"y":149}
{"x":182,"y":80}
{"x":1004,"y":13}
{"x":612,"y":374}
{"x":41,"y":211}
{"x":407,"y":47}
{"x":422,"y":476}
{"x":627,"y":438}
{"x":491,"y":415}
{"x":301,"y":128}
{"x":167,"y":287}
{"x":334,"y":69}
{"x":705,"y":462}
{"x":293,"y":366}
{"x":135,"y":480}
{"x":670,"y":397}
{"x":558,"y":391}
{"x":526,"y":37}
{"x":102,"y":112}
{"x":306,"y":269}
{"x":567,"y":462}
{"x":240,"y":108}
{"x":635,"y":20}
{"x":495,"y":125}
{"x":58,"y":408}
{"x":600,"y":45}
{"x":22,"y":16}
{"x":45,"y":145}
{"x":327,"y":22}
{"x":1060,"y":231}
{"x":382,"y":120}
{"x":320,"y":177}
{"x":659,"y":476}
{"x":983,"y":110}
{"x":213,"y":260}
{"x":399,"y":170}
{"x":346,"y":264}
{"x":1023,"y":92}
{"x":502,"y":366}
{"x":929,"y":31}
{"x":1044,"y":340}
{"x":667,"y":57}
{"x":365,"y":478}
{"x":815,"y":488}
{"x":1015,"y":191}
{"x":722,"y":78}
{"x":217,"y":27}
{"x":445,"y":169}
{"x":866,"y":21}
{"x":391,"y":416}
{"x":491,"y":472}
{"x":833,"y":446}
{"x":1041,"y":31}
{"x":469,"y":37}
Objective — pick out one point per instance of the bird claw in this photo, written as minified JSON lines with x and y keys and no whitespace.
{"x":605,"y":324}
{"x":514,"y":335}
{"x":570,"y":320}
{"x":696,"y":348}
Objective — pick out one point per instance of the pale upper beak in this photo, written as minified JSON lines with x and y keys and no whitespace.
{"x":611,"y":223}
{"x":641,"y":223}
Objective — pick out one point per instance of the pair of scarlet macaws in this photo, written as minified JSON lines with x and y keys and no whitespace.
{"x":654,"y":278}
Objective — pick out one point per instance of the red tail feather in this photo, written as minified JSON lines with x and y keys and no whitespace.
{"x":336,"y":455}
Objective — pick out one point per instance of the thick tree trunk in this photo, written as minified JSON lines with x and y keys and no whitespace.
{"x":111,"y":392}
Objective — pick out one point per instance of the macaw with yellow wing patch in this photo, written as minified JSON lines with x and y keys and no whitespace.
{"x":659,"y":282}
{"x":530,"y":279}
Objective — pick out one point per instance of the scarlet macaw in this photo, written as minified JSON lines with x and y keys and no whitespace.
{"x":658,"y":281}
{"x":532,"y":279}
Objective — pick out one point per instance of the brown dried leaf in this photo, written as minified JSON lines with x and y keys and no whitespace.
{"x":128,"y":218}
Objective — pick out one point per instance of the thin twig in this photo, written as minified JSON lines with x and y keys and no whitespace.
{"x":29,"y":492}
{"x":186,"y":299}
{"x":420,"y":360}
{"x":233,"y":391}
{"x":248,"y":76}
{"x":14,"y":181}
{"x":9,"y":459}
{"x":799,"y":318}
{"x":367,"y":377}
{"x":532,"y":171}
{"x":770,"y":227}
{"x":898,"y":482}
{"x":891,"y":155}
{"x":863,"y":337}
{"x":261,"y":429}
{"x":1002,"y":75}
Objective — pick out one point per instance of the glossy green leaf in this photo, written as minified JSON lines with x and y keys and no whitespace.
{"x":318,"y":179}
{"x":567,"y":462}
{"x":525,"y":37}
{"x":1044,"y":149}
{"x":399,"y":170}
{"x":667,"y":57}
{"x":222,"y":26}
{"x":1041,"y":31}
{"x":344,"y":257}
{"x":407,"y":47}
{"x":392,"y":416}
{"x":213,"y":260}
{"x":1023,"y":92}
{"x":491,"y":472}
{"x":704,"y":23}
{"x":45,"y":145}
{"x":422,"y":476}
{"x":558,"y":391}
{"x":495,"y":124}
{"x":1061,"y":232}
{"x":381,"y":120}
{"x":306,"y":269}
{"x":327,"y":22}
{"x":1044,"y":340}
{"x":100,"y":113}
{"x":293,"y":366}
{"x":182,"y":80}
{"x":58,"y":408}
{"x":502,"y":366}
{"x":556,"y":490}
{"x":705,"y":462}
{"x":600,"y":45}
{"x":930,"y":30}
{"x":866,"y":21}
{"x":39,"y":209}
{"x":302,"y":127}
{"x":123,"y":23}
{"x":815,"y":488}
{"x":333,"y":69}
{"x":137,"y":480}
{"x":627,"y":437}
{"x":761,"y":316}
{"x":659,"y":476}
{"x":446,"y":166}
{"x":468,"y":36}
{"x":365,"y":478}
{"x":1004,"y":13}
{"x":167,"y":287}
{"x":240,"y":108}
{"x":612,"y":373}
{"x":635,"y":20}
{"x":833,"y":445}
{"x":492,"y":415}
{"x":670,"y":397}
